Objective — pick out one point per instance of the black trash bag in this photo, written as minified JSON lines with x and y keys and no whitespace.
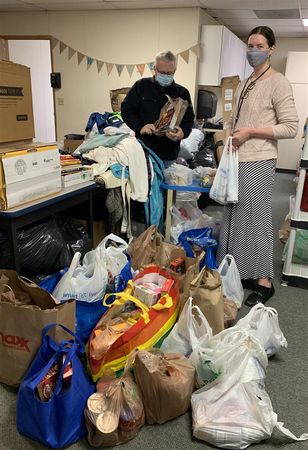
{"x":41,"y":249}
{"x":76,"y":237}
{"x":205,"y":157}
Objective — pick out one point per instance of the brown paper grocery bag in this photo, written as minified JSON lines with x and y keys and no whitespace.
{"x":143,"y":250}
{"x":206,"y":292}
{"x":21,"y":325}
{"x":166,"y":383}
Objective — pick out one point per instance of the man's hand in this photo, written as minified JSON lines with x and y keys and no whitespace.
{"x":176,"y":134}
{"x":240,"y":136}
{"x":149,"y":128}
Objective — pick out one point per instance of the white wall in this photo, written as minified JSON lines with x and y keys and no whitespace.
{"x":285,"y":45}
{"x":121,"y":37}
{"x":36,"y":55}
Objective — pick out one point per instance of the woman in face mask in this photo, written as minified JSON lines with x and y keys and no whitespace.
{"x":264,"y":112}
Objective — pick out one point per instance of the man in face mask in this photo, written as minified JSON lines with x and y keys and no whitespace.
{"x":143,"y":103}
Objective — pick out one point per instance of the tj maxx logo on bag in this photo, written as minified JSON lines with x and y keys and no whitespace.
{"x":17,"y":342}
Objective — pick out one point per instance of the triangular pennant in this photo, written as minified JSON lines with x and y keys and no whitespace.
{"x":185,"y":56}
{"x":53,"y":42}
{"x":109,"y":67}
{"x":196,"y":50}
{"x":62,"y":46}
{"x":89,"y":62}
{"x":151,"y":67}
{"x":140,"y":68}
{"x":71,"y":52}
{"x":80,"y":57}
{"x":130,"y":69}
{"x":99,"y":65}
{"x":120,"y":68}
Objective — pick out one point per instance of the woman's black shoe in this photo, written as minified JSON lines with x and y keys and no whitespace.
{"x":261,"y":295}
{"x":250,"y":283}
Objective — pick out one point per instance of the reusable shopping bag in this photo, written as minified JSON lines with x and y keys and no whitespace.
{"x":145,"y":329}
{"x":224,"y":189}
{"x":262,"y":322}
{"x":201,"y":240}
{"x":166,"y":382}
{"x":89,"y":313}
{"x":59,"y":421}
{"x":22,"y":321}
{"x":206,"y":292}
{"x":114,"y":414}
{"x":231,"y":280}
{"x":185,"y":334}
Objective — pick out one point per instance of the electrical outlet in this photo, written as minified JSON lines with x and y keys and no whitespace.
{"x":61,"y":101}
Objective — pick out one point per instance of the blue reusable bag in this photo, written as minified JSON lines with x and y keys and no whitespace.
{"x":89,"y":313}
{"x":49,"y":283}
{"x":203,"y":238}
{"x":60,"y":421}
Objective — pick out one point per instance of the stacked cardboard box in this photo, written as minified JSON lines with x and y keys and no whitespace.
{"x":28,"y":172}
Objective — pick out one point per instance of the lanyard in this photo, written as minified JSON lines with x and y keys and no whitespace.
{"x":244,"y":94}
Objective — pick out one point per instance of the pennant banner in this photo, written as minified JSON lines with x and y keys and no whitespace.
{"x":53,"y":42}
{"x":89,"y":62}
{"x":120,"y":68}
{"x":99,"y":65}
{"x":62,"y":47}
{"x":109,"y":66}
{"x":130,"y":69}
{"x":80,"y":57}
{"x":151,"y":67}
{"x":71,"y":52}
{"x":185,"y":56}
{"x":196,"y":50}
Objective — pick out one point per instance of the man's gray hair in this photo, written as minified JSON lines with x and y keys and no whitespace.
{"x":166,"y":56}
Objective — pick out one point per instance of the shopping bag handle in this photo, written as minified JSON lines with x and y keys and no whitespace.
{"x":69,"y":347}
{"x":79,"y":343}
{"x":122,"y":298}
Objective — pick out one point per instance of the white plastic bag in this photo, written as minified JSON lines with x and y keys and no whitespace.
{"x":231,"y":280}
{"x":235,"y":418}
{"x":83,"y":282}
{"x":185,"y":335}
{"x":262,"y":322}
{"x":178,"y":175}
{"x":224,"y":189}
{"x":229,"y":354}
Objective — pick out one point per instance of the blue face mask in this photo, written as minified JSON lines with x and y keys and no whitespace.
{"x":163,"y":79}
{"x":256,"y":57}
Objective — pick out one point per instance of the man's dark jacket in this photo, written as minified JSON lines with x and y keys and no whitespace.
{"x":142,"y":105}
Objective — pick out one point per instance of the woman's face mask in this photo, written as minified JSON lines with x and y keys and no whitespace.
{"x":164,"y":79}
{"x":255,"y":57}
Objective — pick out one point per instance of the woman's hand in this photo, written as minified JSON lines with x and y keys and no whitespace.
{"x":240,"y":136}
{"x":149,"y":128}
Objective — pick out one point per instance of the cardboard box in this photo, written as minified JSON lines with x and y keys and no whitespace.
{"x":70,"y":145}
{"x":4,"y":49}
{"x":82,"y":176}
{"x":16,"y":113}
{"x":26,"y":175}
{"x":99,"y":229}
{"x":229,"y":85}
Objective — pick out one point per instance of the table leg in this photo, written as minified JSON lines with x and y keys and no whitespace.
{"x":90,"y":217}
{"x":168,"y":213}
{"x":13,"y":246}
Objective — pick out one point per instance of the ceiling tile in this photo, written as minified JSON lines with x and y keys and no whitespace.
{"x":269,"y":23}
{"x":73,"y":6}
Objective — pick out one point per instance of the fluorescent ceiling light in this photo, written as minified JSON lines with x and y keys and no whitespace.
{"x":305,"y":22}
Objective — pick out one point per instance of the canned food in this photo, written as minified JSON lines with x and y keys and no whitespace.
{"x":107,"y":422}
{"x":97,"y":403}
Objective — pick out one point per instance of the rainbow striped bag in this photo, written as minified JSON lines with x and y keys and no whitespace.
{"x":149,"y":330}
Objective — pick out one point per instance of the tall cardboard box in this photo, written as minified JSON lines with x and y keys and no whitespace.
{"x":229,"y":85}
{"x":16,"y":112}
